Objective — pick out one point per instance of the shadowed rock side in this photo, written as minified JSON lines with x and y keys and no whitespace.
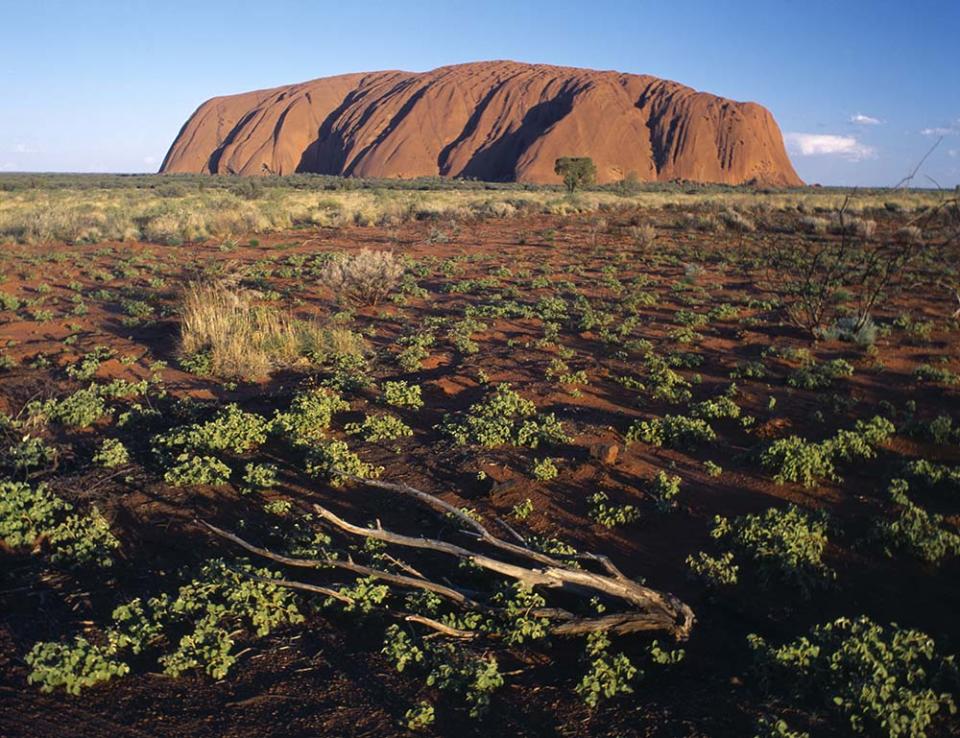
{"x":495,"y":121}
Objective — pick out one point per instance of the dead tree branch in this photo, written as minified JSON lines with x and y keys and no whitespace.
{"x":647,"y":609}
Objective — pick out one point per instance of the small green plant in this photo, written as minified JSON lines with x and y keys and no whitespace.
{"x":415,"y":348}
{"x":73,"y":667}
{"x":33,"y":515}
{"x":674,"y":431}
{"x":402,"y":394}
{"x":419,"y":717}
{"x":28,"y":454}
{"x":79,"y":410}
{"x":379,"y":428}
{"x":665,"y":489}
{"x":543,"y":470}
{"x":607,"y":675}
{"x":812,"y":376}
{"x":197,"y":626}
{"x":308,"y":419}
{"x":794,"y":459}
{"x":914,"y":530}
{"x":611,"y":515}
{"x":112,"y":453}
{"x":712,"y":468}
{"x":522,"y":510}
{"x":259,"y":476}
{"x":331,"y":459}
{"x":85,"y":369}
{"x":190,"y":469}
{"x":504,"y":418}
{"x":714,"y":571}
{"x":936,"y":375}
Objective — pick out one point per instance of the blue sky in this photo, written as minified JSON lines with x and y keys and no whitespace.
{"x":860,"y":89}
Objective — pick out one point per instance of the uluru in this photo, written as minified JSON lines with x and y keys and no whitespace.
{"x":492,"y":121}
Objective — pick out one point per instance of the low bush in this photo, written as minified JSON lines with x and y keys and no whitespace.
{"x":504,"y":418}
{"x":882,"y":681}
{"x":674,"y":431}
{"x":364,"y":278}
{"x":31,"y":516}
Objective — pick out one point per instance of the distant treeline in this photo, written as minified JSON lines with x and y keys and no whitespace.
{"x":175,"y":185}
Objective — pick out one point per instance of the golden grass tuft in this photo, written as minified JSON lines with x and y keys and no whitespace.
{"x":241,"y":339}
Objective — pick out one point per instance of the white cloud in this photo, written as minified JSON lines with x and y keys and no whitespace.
{"x":864,"y":120}
{"x":149,"y":160}
{"x":953,"y":152}
{"x":22,"y":148}
{"x":826,"y":144}
{"x":949,"y":130}
{"x":8,"y":166}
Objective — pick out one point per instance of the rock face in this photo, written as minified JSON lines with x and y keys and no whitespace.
{"x":494,"y":121}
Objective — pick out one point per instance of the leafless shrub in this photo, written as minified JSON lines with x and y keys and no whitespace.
{"x":737,"y":221}
{"x":909,"y":234}
{"x":364,"y":278}
{"x":823,"y":274}
{"x":702,"y":222}
{"x":852,"y":226}
{"x":814,"y":225}
{"x":643,"y":235}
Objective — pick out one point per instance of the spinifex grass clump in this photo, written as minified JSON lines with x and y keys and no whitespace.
{"x":225,"y":334}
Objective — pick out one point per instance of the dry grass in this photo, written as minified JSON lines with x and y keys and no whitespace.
{"x":175,"y":216}
{"x":364,"y":278}
{"x":240,"y":339}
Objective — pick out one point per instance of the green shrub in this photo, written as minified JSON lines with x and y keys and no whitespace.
{"x":665,"y":489}
{"x":79,"y":410}
{"x":714,"y":571}
{"x":936,"y":374}
{"x":543,"y":470}
{"x":786,"y":546}
{"x":30,"y":452}
{"x":611,"y":515}
{"x":882,"y":681}
{"x":504,"y":418}
{"x":819,"y":376}
{"x":674,"y":431}
{"x":197,"y":628}
{"x":794,"y":459}
{"x":231,"y":430}
{"x":32,"y":515}
{"x":112,"y":453}
{"x":330,"y":459}
{"x":914,"y":530}
{"x":379,"y":428}
{"x":73,"y":667}
{"x":402,"y":394}
{"x":190,"y":469}
{"x":308,"y":418}
{"x":608,"y":674}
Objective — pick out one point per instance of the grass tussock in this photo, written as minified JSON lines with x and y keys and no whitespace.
{"x":229,"y":336}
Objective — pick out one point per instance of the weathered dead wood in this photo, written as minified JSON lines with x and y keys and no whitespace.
{"x":650,"y":610}
{"x":661,"y":611}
